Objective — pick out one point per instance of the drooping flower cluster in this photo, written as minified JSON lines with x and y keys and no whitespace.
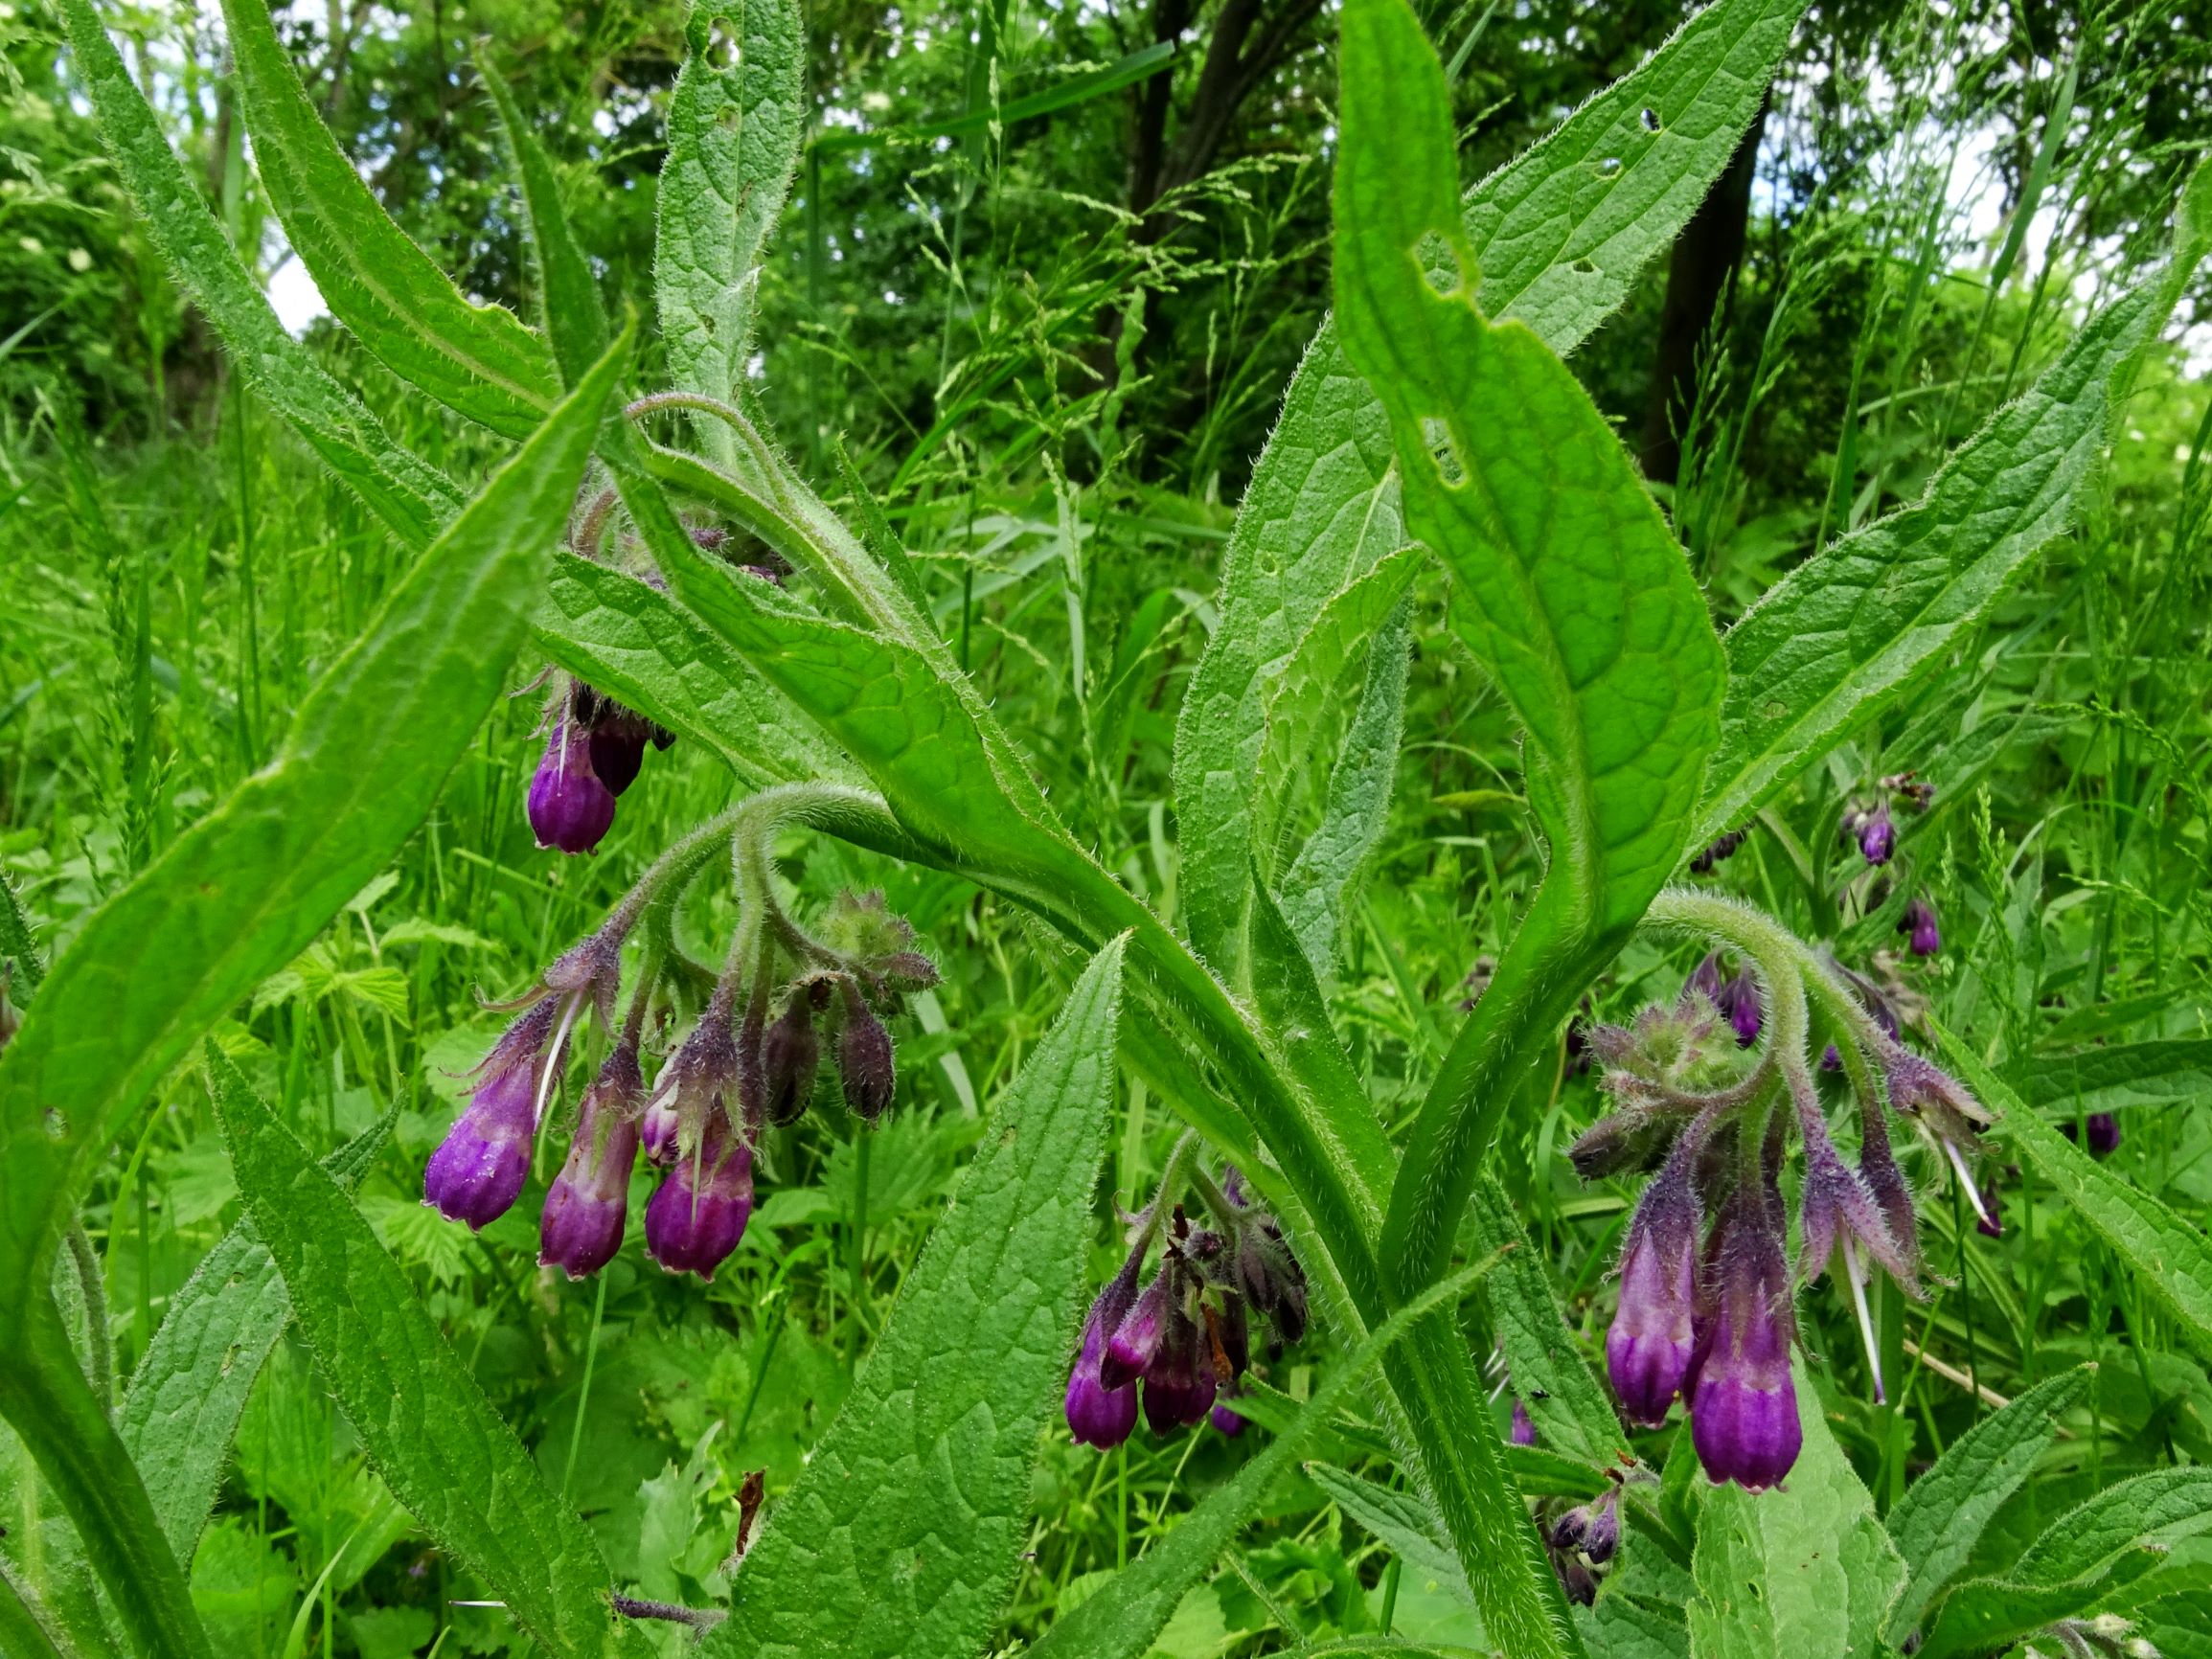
{"x":594,"y":747}
{"x":1184,"y":1340}
{"x":1707,"y":1310}
{"x":733,"y":1073}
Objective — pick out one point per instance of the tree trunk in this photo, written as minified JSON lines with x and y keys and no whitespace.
{"x":1704,"y":258}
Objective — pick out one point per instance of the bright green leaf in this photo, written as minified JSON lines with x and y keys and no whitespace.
{"x":903,"y":1536}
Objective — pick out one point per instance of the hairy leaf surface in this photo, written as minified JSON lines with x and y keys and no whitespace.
{"x":1801,"y":1572}
{"x":2158,"y":1073}
{"x":736,"y":119}
{"x":1941,"y":1516}
{"x":479,"y":360}
{"x":403,"y":489}
{"x":423,"y":1418}
{"x":903,"y":1537}
{"x":1839,"y":638}
{"x":188,"y":1392}
{"x":1560,"y":235}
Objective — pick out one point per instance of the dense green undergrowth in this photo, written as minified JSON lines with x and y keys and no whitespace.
{"x":2018,"y":643}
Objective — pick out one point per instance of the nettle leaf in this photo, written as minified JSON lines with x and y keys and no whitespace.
{"x":1134,"y":1605}
{"x":736,"y":120}
{"x":633,"y":641}
{"x":2130,"y":1546}
{"x":479,"y":360}
{"x":1802,"y":1572}
{"x":403,"y":490}
{"x":1842,"y":636}
{"x":903,"y":1536}
{"x":232,"y":900}
{"x":423,"y":1418}
{"x":2169,"y":1253}
{"x":188,"y":1392}
{"x":1559,"y":234}
{"x":1937,"y":1523}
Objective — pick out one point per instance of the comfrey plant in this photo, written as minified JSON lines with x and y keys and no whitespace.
{"x":1433,"y":437}
{"x":1707,"y":1288}
{"x":736,"y":1070}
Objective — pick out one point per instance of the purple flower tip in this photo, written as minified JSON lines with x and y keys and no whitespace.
{"x":569,"y":808}
{"x":1877,"y":836}
{"x":478,"y":1169}
{"x":585,"y":1209}
{"x":2104,"y":1134}
{"x":1918,"y":920}
{"x":1744,"y":1402}
{"x":1098,"y":1414}
{"x":1523,"y":1431}
{"x":698,"y":1213}
{"x":1227,"y":1421}
{"x":1649,"y":1347}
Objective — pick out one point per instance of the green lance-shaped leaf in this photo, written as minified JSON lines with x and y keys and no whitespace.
{"x":2162,"y":1072}
{"x":1937,"y":1523}
{"x":903,"y":1534}
{"x":1121,"y":1620}
{"x":633,"y":641}
{"x":1560,"y":235}
{"x":1403,"y":1521}
{"x":2130,"y":1546}
{"x":25,"y":1631}
{"x":1358,"y":808}
{"x":403,"y":489}
{"x":568,"y":302}
{"x":188,"y":1392}
{"x":1568,"y":586}
{"x":1839,"y":638}
{"x":480,"y":361}
{"x":736,"y":120}
{"x":423,"y":1418}
{"x":231,"y":901}
{"x":1802,"y":1572}
{"x":2172,"y":1257}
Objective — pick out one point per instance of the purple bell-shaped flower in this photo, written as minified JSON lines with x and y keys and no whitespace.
{"x":585,"y":1209}
{"x":1742,"y":1400}
{"x":478,"y":1169}
{"x":1179,"y":1383}
{"x":1098,"y":1414}
{"x":698,"y":1213}
{"x":1919,"y":921}
{"x":1877,"y":835}
{"x":1649,"y":1347}
{"x":570,"y":807}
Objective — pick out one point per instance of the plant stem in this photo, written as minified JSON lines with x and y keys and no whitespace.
{"x":584,"y":1389}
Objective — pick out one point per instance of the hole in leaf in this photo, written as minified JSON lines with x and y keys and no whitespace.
{"x":1585,"y":268}
{"x":1650,"y":120}
{"x":1610,"y":166}
{"x":1443,"y":451}
{"x":722,"y":47}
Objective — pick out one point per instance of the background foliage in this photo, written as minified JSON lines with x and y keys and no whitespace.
{"x":1053,"y":345}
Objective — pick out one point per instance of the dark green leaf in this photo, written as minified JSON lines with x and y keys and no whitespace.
{"x":903,"y":1536}
{"x":567,"y":293}
{"x":428,"y":1428}
{"x":1403,"y":1521}
{"x":403,"y":490}
{"x":2145,"y":1074}
{"x":478,"y":359}
{"x":1937,"y":1523}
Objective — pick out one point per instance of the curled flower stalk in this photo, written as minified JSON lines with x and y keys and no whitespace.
{"x":732,"y":1072}
{"x":1714,"y":1323}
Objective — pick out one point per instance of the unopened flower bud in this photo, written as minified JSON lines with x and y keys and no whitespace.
{"x":1133,"y":1340}
{"x":791,"y":1054}
{"x":2104,"y":1134}
{"x":1877,"y":836}
{"x":864,"y":1060}
{"x":478,"y":1169}
{"x":1227,"y":1419}
{"x":1523,"y":1429}
{"x":569,"y":808}
{"x":1179,"y":1382}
